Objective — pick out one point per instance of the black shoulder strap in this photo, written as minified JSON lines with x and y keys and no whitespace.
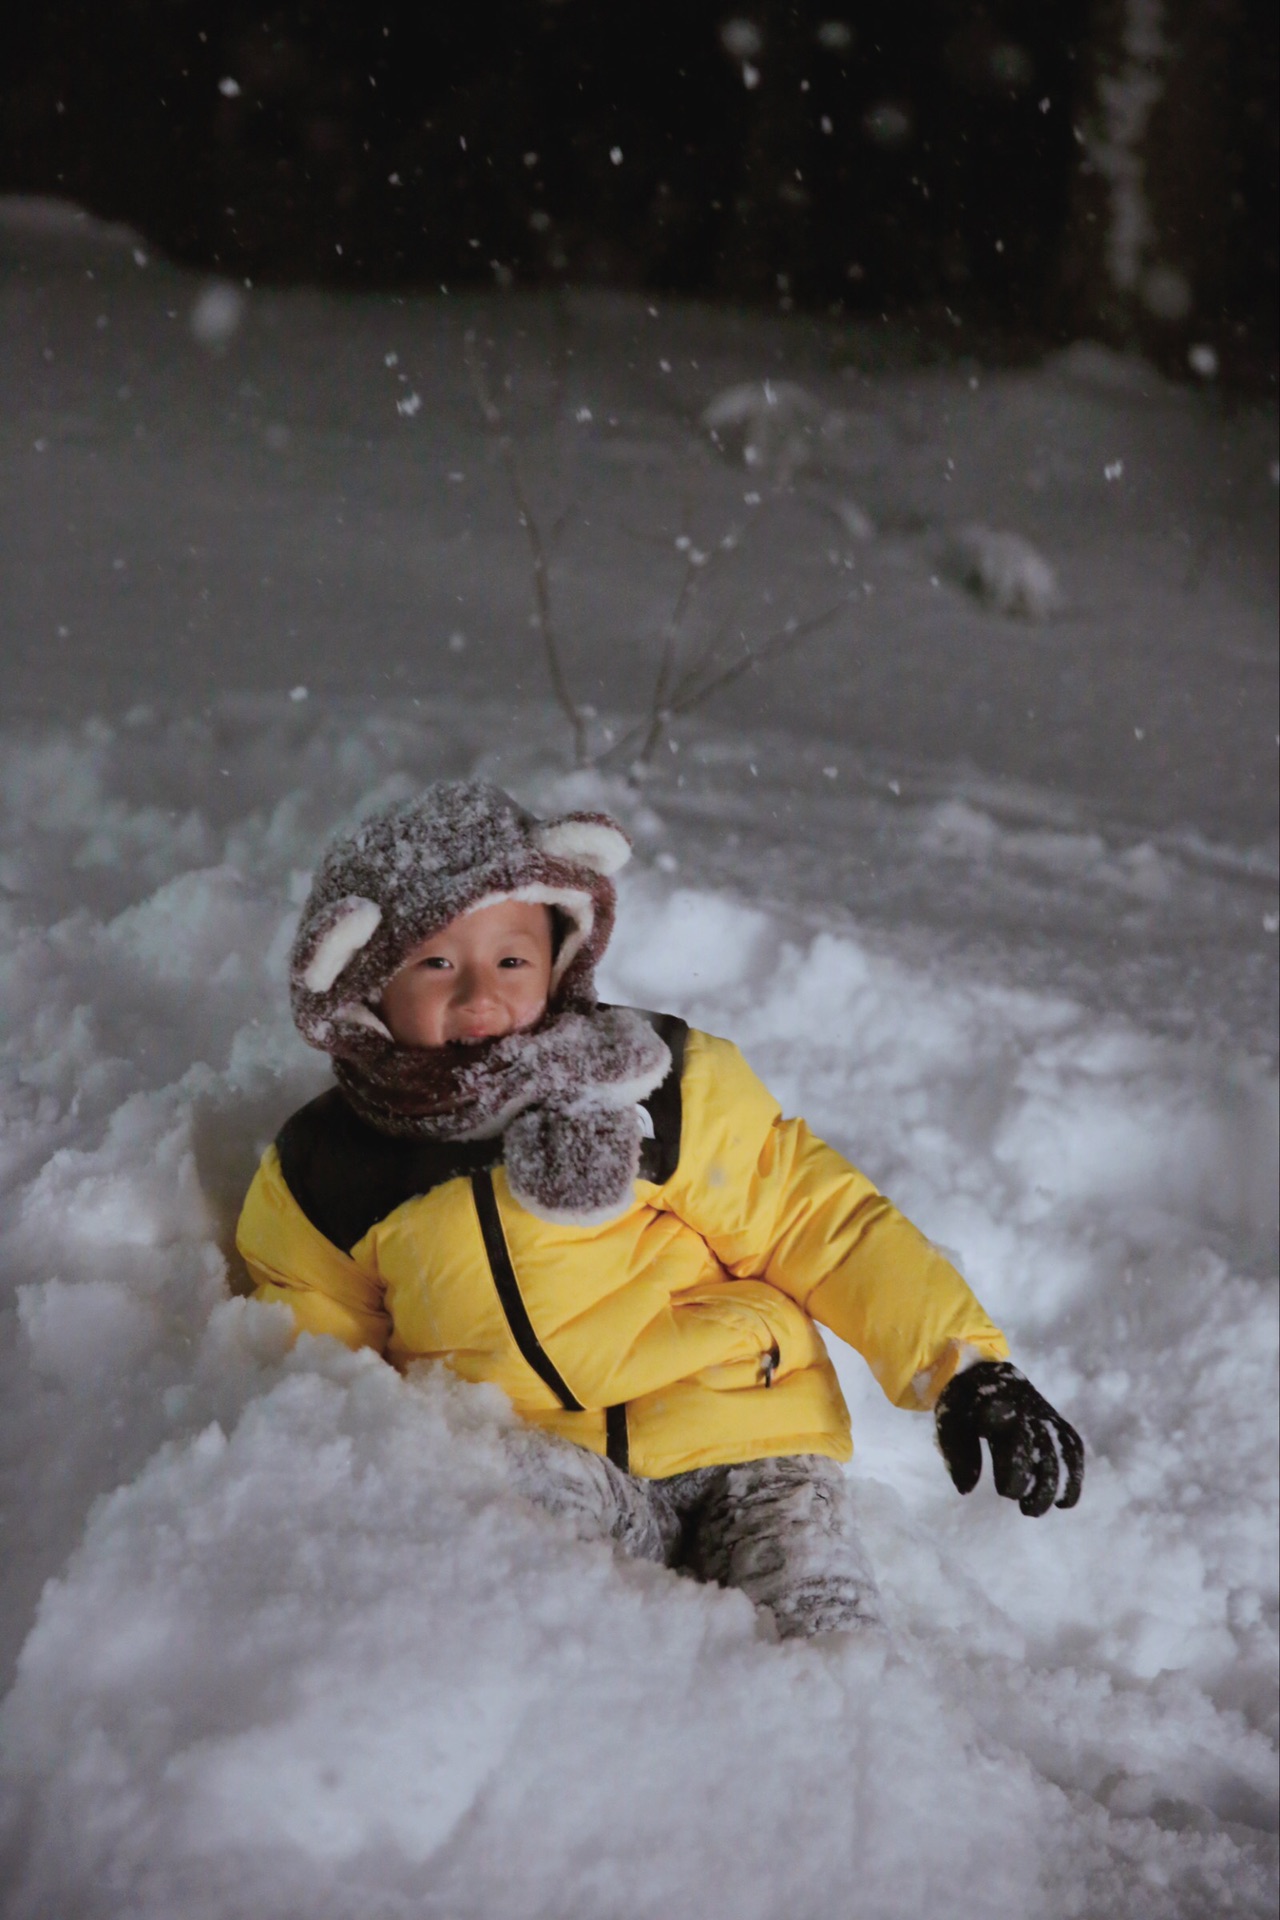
{"x":508,"y":1290}
{"x":346,"y":1175}
{"x":660,"y":1156}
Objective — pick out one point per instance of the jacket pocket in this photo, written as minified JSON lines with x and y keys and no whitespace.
{"x":766,"y":1334}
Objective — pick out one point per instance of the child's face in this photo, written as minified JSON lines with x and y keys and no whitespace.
{"x":487,"y":973}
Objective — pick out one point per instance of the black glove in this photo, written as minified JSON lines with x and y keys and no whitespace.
{"x":1031,"y":1445}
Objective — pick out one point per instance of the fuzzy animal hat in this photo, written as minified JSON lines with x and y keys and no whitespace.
{"x":402,"y":875}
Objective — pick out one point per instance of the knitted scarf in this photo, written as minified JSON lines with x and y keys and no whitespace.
{"x":563,"y":1095}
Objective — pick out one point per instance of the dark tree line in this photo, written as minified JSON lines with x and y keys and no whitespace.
{"x":940,"y":158}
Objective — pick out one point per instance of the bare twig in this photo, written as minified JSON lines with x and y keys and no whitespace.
{"x":787,"y":636}
{"x":689,"y":694}
{"x":563,"y":519}
{"x":678,"y":686}
{"x":702,"y":660}
{"x":480,"y":382}
{"x":542,"y":615}
{"x":697,"y":568}
{"x":668,"y":694}
{"x":667,"y":662}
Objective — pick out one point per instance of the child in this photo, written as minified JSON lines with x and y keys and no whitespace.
{"x":603,"y":1212}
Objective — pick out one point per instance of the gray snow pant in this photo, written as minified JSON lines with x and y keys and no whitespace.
{"x":782,"y":1530}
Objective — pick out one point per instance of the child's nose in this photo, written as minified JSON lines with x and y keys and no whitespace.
{"x":474,"y":988}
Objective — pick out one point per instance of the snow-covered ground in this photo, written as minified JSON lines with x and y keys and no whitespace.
{"x":982,"y":875}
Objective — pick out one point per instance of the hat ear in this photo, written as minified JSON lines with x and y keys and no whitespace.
{"x":346,"y":927}
{"x":589,"y":839}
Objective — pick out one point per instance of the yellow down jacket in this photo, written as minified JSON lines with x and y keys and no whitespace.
{"x":683,"y":1333}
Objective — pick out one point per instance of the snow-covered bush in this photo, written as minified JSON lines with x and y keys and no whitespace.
{"x":769,"y":424}
{"x":1004,"y":571}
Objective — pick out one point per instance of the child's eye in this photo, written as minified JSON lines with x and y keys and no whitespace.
{"x":436,"y":961}
{"x":513,"y":960}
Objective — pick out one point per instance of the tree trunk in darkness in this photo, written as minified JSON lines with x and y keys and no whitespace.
{"x":1160,"y":252}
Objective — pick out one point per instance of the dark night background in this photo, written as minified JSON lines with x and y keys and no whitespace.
{"x":932,"y":162}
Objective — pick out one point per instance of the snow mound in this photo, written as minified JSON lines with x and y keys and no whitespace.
{"x":311,"y":1651}
{"x":42,"y":217}
{"x":303,"y":1647}
{"x":1004,"y":571}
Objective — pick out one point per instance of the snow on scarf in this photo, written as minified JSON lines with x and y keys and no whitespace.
{"x":563,"y":1094}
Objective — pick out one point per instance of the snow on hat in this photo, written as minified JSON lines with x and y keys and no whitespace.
{"x":405,"y":873}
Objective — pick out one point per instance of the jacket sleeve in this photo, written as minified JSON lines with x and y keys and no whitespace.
{"x":774,"y":1203}
{"x":290,"y":1260}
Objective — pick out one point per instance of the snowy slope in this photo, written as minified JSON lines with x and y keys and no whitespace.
{"x":302,"y":1648}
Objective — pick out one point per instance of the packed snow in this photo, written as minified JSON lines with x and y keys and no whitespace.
{"x":992,"y":901}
